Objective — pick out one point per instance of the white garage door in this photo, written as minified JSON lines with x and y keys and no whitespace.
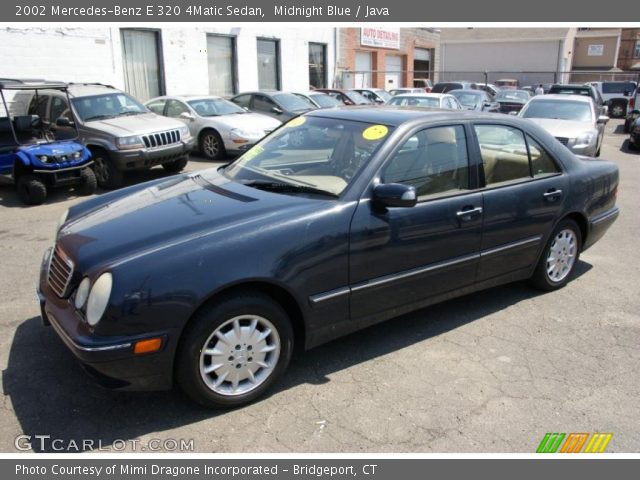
{"x":393,"y":71}
{"x":363,"y":70}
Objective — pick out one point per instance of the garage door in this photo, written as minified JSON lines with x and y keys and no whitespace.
{"x":363,"y":70}
{"x":393,"y":71}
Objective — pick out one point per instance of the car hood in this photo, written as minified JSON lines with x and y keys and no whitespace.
{"x":563,"y":128}
{"x":53,"y":149}
{"x":134,"y":124}
{"x":179,"y":210}
{"x":246,"y":121}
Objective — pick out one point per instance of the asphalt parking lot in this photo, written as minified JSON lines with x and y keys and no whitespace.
{"x":490,"y":372}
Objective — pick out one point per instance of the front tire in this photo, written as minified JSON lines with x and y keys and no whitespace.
{"x":31,"y":189}
{"x":211,"y":145}
{"x":234,"y":350}
{"x":88,"y":182}
{"x":107,"y":175}
{"x":176,"y":166}
{"x":559,"y":258}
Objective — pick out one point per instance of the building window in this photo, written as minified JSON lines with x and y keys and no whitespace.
{"x":143,"y":76}
{"x":268,"y":64}
{"x":221,"y":58}
{"x":636,"y":52}
{"x":318,"y":65}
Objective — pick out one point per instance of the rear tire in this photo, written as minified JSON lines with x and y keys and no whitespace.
{"x":107,"y":175}
{"x":31,"y":189}
{"x":559,"y":258}
{"x":176,"y":166}
{"x":250,"y":355}
{"x":88,"y":182}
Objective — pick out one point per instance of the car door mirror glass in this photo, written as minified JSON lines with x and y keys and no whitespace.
{"x":394,"y":195}
{"x":63,"y":122}
{"x":276,"y":110}
{"x":603,"y":119}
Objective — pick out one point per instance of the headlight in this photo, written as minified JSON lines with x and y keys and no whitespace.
{"x":43,"y":158}
{"x":586,"y":138}
{"x":99,"y":298}
{"x":184,"y":132}
{"x":82,"y":293}
{"x":129,"y":143}
{"x":76,"y":155}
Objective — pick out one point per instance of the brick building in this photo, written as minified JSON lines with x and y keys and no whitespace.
{"x":386,"y":57}
{"x":629,"y":53}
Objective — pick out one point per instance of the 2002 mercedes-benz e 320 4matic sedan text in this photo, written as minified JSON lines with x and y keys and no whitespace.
{"x":212,"y":278}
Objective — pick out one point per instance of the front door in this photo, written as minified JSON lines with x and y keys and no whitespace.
{"x":523,"y":198}
{"x":402,"y":256}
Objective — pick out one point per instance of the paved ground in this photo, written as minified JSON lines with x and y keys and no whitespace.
{"x":491,"y":372}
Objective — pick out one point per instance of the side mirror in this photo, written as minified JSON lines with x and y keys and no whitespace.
{"x":512,"y":112}
{"x":186,"y":116}
{"x":603,"y":119}
{"x":379,"y":100}
{"x":63,"y":122}
{"x":394,"y":195}
{"x":276,"y":110}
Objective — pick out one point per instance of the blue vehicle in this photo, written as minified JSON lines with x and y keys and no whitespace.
{"x":31,"y":155}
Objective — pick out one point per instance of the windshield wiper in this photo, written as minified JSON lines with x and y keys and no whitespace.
{"x":287,"y":188}
{"x":98,"y":117}
{"x":129,"y":112}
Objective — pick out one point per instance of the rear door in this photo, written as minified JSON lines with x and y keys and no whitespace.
{"x":402,"y":256}
{"x":523,"y":198}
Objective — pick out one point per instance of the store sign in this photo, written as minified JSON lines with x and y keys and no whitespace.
{"x":595,"y":50}
{"x":380,"y":37}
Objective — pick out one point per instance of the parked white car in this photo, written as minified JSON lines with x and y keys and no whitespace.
{"x":429,"y":100}
{"x":221,"y":127}
{"x":572,"y":119}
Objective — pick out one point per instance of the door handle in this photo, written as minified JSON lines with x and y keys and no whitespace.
{"x":552,"y":195}
{"x":469,"y":213}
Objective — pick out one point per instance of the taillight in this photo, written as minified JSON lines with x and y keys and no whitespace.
{"x":632,"y":103}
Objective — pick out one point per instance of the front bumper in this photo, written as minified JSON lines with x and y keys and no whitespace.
{"x":62,"y":176}
{"x":110,"y":360}
{"x":149,"y":157}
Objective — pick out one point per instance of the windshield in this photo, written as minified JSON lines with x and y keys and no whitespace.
{"x":468,"y":99}
{"x":431,"y":102}
{"x":618,"y":87}
{"x":577,"y":111}
{"x":308,"y":154}
{"x":383,"y":94}
{"x":357,"y":98}
{"x":212,"y":107}
{"x":571,"y":91}
{"x":99,"y":107}
{"x":324,"y":100}
{"x":293,"y":103}
{"x":506,"y":95}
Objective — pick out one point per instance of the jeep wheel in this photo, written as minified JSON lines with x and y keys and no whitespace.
{"x":31,"y":189}
{"x":234,"y":350}
{"x":211,"y":145}
{"x":618,"y":110}
{"x":107,"y":175}
{"x":176,"y":166}
{"x":88,"y":183}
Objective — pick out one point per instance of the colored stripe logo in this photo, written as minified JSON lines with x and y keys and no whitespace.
{"x":574,"y":442}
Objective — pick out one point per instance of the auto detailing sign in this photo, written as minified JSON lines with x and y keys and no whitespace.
{"x":380,"y":37}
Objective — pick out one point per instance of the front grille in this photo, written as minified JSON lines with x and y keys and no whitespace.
{"x":60,"y":272}
{"x":563,"y":140}
{"x":161,"y":139}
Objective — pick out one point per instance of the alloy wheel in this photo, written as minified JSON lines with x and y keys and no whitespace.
{"x":210,"y":145}
{"x":562,"y":255}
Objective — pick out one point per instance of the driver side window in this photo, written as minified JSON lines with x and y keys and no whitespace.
{"x":175,"y":108}
{"x":433,"y":161}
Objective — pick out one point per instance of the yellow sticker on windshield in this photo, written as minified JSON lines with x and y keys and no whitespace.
{"x":375,"y":132}
{"x":254,"y":152}
{"x":296,"y":122}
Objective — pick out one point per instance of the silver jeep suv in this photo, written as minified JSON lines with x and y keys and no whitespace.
{"x":121,"y":133}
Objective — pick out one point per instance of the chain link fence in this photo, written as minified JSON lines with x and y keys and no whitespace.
{"x":410,"y":78}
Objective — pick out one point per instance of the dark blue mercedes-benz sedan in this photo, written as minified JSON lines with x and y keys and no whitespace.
{"x":337,"y":220}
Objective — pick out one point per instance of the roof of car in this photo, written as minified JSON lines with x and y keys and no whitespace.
{"x":395,"y":116}
{"x":574,"y":86}
{"x":421,"y":95}
{"x":90,"y":89}
{"x":466,"y":90}
{"x":562,"y":97}
{"x":186,"y":97}
{"x":29,"y":84}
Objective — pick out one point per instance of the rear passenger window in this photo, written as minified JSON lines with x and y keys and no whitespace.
{"x":38,"y":106}
{"x":242,"y":100}
{"x":504,"y":153}
{"x":433,"y":161}
{"x":59,"y":108}
{"x":541,"y":162}
{"x":157,"y":107}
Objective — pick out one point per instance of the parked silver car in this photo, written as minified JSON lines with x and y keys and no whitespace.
{"x":221,"y":127}
{"x":429,"y":100}
{"x":572,"y":119}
